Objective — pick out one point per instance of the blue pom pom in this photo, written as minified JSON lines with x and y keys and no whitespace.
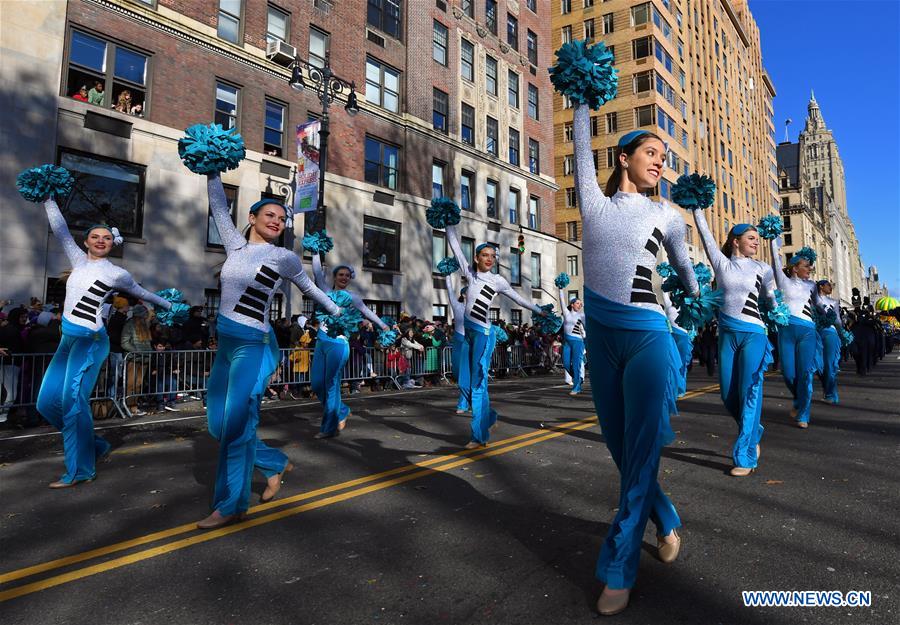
{"x":318,"y":242}
{"x":345,"y":323}
{"x":500,"y":334}
{"x":388,"y":337}
{"x":211,"y":149}
{"x":665,"y":270}
{"x":694,"y":192}
{"x":775,"y":317}
{"x":846,"y":337}
{"x":388,"y":321}
{"x":824,"y":321}
{"x":562,"y":280}
{"x":549,"y":323}
{"x":770,"y":227}
{"x":176,"y":316}
{"x":443,"y":212}
{"x":703,"y":274}
{"x":695,"y":311}
{"x":585,"y":73}
{"x":171,"y":295}
{"x":806,"y":253}
{"x":47,"y":181}
{"x":448,"y":266}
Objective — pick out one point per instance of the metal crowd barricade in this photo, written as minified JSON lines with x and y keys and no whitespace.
{"x":163,"y":376}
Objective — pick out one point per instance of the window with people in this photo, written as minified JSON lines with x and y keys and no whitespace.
{"x":106,"y":74}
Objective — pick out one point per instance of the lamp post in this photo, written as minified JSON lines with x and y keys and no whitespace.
{"x":326,"y":85}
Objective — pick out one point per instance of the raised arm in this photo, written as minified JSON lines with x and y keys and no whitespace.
{"x":292,"y":269}
{"x":676,"y":248}
{"x":125,"y":282}
{"x":367,"y":312}
{"x":562,"y":301}
{"x":777,"y":265}
{"x":62,"y":234}
{"x":503,"y":287}
{"x":590,"y":197}
{"x":768,"y":287}
{"x":318,"y":271}
{"x":455,"y":247}
{"x":218,"y":204}
{"x":716,"y":257}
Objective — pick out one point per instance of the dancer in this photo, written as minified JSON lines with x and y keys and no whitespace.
{"x":683,"y":343}
{"x":634,"y":369}
{"x":64,"y":395}
{"x":332,"y":349}
{"x":459,"y":354}
{"x":798,"y":342}
{"x":247,"y":353}
{"x":573,"y":334}
{"x":483,"y":287}
{"x":744,"y":349}
{"x":830,"y":332}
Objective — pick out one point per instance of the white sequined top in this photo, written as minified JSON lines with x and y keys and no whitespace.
{"x":458,"y":308}
{"x":358,"y":303}
{"x":825,"y":303}
{"x":91,"y":282}
{"x":253,"y":272}
{"x":798,"y":295}
{"x":573,"y":322}
{"x":624,"y":233}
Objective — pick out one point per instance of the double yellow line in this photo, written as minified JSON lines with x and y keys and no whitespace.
{"x":283,"y":508}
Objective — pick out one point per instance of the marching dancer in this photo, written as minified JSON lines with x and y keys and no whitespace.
{"x":634,"y":366}
{"x":798,"y":341}
{"x":70,"y":378}
{"x":459,"y":355}
{"x":573,"y":335}
{"x":829,"y":309}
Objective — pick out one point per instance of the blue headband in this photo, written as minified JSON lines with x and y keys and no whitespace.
{"x":484,"y":245}
{"x":288,"y":213}
{"x":631,"y":136}
{"x":740,"y":229}
{"x":823,"y":282}
{"x":347,"y":267}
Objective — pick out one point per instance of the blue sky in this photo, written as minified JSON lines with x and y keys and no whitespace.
{"x":848,"y":52}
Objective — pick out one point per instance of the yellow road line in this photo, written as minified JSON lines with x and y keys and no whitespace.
{"x":189,"y":527}
{"x":225,"y":531}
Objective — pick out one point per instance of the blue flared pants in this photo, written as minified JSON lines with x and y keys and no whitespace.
{"x":573,"y":356}
{"x":328,"y":362}
{"x":459,"y":362}
{"x":831,"y":362}
{"x":481,"y":346}
{"x":797,"y":347}
{"x":65,"y":393}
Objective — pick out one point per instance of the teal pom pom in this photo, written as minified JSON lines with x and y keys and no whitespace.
{"x":824,"y":321}
{"x":500,"y":334}
{"x":318,"y":242}
{"x":549,"y":323}
{"x":694,"y":192}
{"x":695,"y":311}
{"x":448,"y":266}
{"x":665,"y":270}
{"x":388,"y":321}
{"x":443,"y":212}
{"x":702,"y":273}
{"x":775,"y":317}
{"x":806,"y":253}
{"x":585,"y":73}
{"x":175,"y":316}
{"x":846,"y":337}
{"x":770,"y":227}
{"x":171,"y":295}
{"x":211,"y":149}
{"x":562,"y":280}
{"x":345,"y":323}
{"x":388,"y":337}
{"x":47,"y":181}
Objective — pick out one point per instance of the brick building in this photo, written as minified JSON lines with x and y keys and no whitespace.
{"x":473,"y":122}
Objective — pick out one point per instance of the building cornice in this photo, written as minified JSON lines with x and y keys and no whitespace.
{"x":737,"y":23}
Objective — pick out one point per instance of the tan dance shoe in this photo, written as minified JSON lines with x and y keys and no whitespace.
{"x":668,"y":551}
{"x":216,"y":519}
{"x":613,"y":601}
{"x":60,"y":484}
{"x":273,"y":484}
{"x":475,"y":445}
{"x":741,"y":471}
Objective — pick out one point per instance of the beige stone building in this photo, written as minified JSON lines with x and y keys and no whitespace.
{"x":691,"y":72}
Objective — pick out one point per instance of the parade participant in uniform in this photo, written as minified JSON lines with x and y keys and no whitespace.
{"x":247,"y":353}
{"x":831,"y":331}
{"x":634,"y":364}
{"x":459,"y":355}
{"x":70,"y":378}
{"x":798,"y":347}
{"x":573,"y":334}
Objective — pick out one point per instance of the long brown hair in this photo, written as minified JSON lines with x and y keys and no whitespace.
{"x":142,"y":328}
{"x":728,"y":247}
{"x":615,"y":179}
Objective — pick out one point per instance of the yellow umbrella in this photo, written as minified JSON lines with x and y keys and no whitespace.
{"x":886,"y":304}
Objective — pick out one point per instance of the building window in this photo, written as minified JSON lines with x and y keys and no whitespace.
{"x":512,"y":88}
{"x":439,"y":312}
{"x":213,"y":238}
{"x":568,"y":164}
{"x":565,"y":7}
{"x":787,"y":220}
{"x":382,"y":163}
{"x":513,"y":146}
{"x":495,"y":268}
{"x":568,"y":131}
{"x":439,"y":44}
{"x":515,"y":316}
{"x":492,"y":136}
{"x":438,"y":175}
{"x":467,"y":60}
{"x":642,"y":48}
{"x":665,"y":189}
{"x":438,"y":249}
{"x":212,"y":297}
{"x":643,"y":115}
{"x":319,"y":44}
{"x":381,"y":243}
{"x":608,"y":25}
{"x":534,"y":157}
{"x":612,"y":123}
{"x":571,"y":231}
{"x":789,"y":239}
{"x":106,"y":191}
{"x":640,"y":14}
{"x":531,"y":44}
{"x":532,"y":5}
{"x":534,"y":213}
{"x":571,"y":200}
{"x":467,"y":129}
{"x":643,"y":81}
{"x":567,"y":34}
{"x":490,"y":15}
{"x":382,"y":308}
{"x":382,"y":85}
{"x":572,"y":265}
{"x":533,"y":103}
{"x":689,"y":234}
{"x":494,"y":313}
{"x":490,"y":75}
{"x":466,"y":180}
{"x":515,"y":266}
{"x":468,"y":7}
{"x":227,"y":105}
{"x":385,"y":16}
{"x":589,"y":30}
{"x":535,"y":270}
{"x":229,"y":27}
{"x":106,"y":74}
{"x":468,"y":247}
{"x":491,"y":195}
{"x":512,"y":31}
{"x":273,"y":134}
{"x":610,"y":158}
{"x":441,"y":104}
{"x":278,"y":25}
{"x":512,"y":203}
{"x":595,"y":126}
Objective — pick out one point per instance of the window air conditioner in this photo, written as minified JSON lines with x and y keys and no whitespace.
{"x":280,"y":52}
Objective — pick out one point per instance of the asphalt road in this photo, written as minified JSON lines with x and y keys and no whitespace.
{"x":391,"y":523}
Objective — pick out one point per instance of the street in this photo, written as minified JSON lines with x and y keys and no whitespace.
{"x":393,"y":523}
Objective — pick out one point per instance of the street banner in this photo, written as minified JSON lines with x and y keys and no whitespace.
{"x":306,"y":183}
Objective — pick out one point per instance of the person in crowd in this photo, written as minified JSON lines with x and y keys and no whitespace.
{"x":123,"y":102}
{"x":137,"y":342}
{"x":97,"y":95}
{"x":82,"y":94}
{"x":414,"y":353}
{"x":114,"y":326}
{"x":12,"y":342}
{"x":163,"y":377}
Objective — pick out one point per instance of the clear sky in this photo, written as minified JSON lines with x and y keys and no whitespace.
{"x":848,"y":52}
